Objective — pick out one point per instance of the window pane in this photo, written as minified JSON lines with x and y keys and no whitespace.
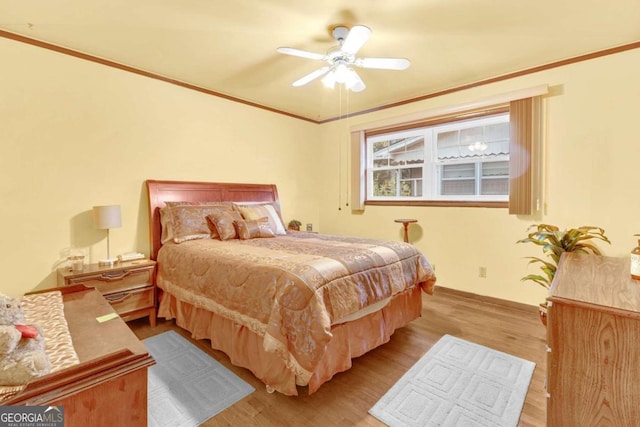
{"x":496,"y":132}
{"x":471,"y":135}
{"x":411,"y":182}
{"x":458,"y":187}
{"x":380,"y":154}
{"x":411,"y":188}
{"x":497,"y":139}
{"x":494,"y":187}
{"x":464,"y":159}
{"x":448,"y":145}
{"x":495,"y":169}
{"x":378,"y":163}
{"x":411,"y":173}
{"x":488,"y":140}
{"x":448,"y":139}
{"x":384,"y":183}
{"x":398,"y":152}
{"x":466,"y":170}
{"x":495,"y":179}
{"x":379,"y":146}
{"x":407,"y":150}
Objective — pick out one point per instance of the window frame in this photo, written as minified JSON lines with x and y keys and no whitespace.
{"x":440,"y":200}
{"x":526,"y":181}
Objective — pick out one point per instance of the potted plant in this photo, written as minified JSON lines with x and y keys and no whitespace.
{"x":554,"y":242}
{"x":294,"y":224}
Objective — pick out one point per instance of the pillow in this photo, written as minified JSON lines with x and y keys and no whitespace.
{"x":165,"y":225}
{"x":166,"y":220}
{"x":223,"y":223}
{"x":261,"y":210}
{"x":253,"y":228}
{"x":188,"y":222}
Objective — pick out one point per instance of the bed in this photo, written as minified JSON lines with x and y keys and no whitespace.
{"x":294,"y":308}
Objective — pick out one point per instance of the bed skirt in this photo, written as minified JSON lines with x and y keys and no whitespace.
{"x":245,"y":348}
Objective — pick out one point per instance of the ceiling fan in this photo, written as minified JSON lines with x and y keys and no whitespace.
{"x":342,"y":59}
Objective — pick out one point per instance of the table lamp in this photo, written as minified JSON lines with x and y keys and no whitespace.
{"x":105,"y":218}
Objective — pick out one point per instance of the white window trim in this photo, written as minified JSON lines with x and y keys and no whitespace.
{"x":431,"y":171}
{"x":528,"y":204}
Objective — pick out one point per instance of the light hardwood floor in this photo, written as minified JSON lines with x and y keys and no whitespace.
{"x":345,"y":400}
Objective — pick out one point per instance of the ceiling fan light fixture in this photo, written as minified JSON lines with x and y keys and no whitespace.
{"x":342,"y":58}
{"x":355,"y":83}
{"x":329,"y":81}
{"x":341,"y":72}
{"x":351,"y":78}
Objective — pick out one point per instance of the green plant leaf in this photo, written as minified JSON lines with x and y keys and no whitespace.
{"x":542,"y":281}
{"x":555,"y":242}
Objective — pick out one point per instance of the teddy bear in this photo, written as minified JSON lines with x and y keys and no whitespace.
{"x":22,"y":349}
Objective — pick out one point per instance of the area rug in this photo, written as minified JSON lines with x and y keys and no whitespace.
{"x":458,"y":383}
{"x":186,"y":385}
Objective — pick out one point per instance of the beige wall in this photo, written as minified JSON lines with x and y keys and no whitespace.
{"x":76,"y":134}
{"x":592,"y":151}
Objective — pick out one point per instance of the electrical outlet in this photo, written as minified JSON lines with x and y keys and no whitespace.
{"x":482,"y":272}
{"x":309,"y":227}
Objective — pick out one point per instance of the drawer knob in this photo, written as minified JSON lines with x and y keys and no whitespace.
{"x":548,"y":349}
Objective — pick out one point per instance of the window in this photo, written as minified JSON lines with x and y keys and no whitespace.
{"x":419,"y":181}
{"x":464,"y":160}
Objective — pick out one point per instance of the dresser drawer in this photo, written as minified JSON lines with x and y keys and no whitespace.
{"x":115,"y":280}
{"x":132,"y":300}
{"x":128,"y":286}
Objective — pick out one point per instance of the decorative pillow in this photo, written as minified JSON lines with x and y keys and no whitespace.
{"x":188,"y":222}
{"x":223,"y":222}
{"x":165,"y":225}
{"x":253,"y":228}
{"x":260,"y":210}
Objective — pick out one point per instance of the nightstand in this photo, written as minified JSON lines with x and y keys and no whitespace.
{"x":128,"y":286}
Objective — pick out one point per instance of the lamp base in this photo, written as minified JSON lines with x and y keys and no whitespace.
{"x":107,"y":262}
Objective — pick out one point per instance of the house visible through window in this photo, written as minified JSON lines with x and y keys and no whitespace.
{"x":463,"y":160}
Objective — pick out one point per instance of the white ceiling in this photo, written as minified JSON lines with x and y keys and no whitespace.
{"x":229,"y":47}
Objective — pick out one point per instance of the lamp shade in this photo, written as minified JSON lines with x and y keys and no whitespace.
{"x":106,"y":217}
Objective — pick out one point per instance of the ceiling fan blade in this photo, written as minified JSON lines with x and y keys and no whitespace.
{"x":384,"y":63}
{"x":358,"y":36}
{"x":313,"y":75}
{"x":301,"y":53}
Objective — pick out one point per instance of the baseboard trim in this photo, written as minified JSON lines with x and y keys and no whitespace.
{"x":489,"y":300}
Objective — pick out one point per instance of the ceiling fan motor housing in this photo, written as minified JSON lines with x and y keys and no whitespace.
{"x":340,"y":34}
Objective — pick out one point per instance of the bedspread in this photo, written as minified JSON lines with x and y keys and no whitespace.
{"x":47,"y":310}
{"x":291,"y":289}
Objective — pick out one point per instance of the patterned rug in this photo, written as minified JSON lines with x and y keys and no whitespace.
{"x":458,"y":383}
{"x":187,"y":386}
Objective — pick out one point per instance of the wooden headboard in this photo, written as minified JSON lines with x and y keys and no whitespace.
{"x":160,"y":192}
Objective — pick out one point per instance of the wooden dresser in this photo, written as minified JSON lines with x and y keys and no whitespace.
{"x":593,"y":335}
{"x":109,"y":386}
